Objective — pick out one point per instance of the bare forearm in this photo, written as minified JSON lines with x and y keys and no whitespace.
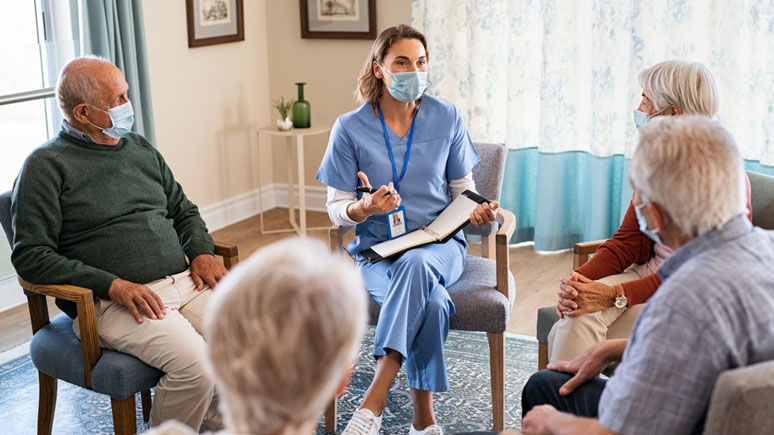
{"x":613,"y":350}
{"x":356,"y":212}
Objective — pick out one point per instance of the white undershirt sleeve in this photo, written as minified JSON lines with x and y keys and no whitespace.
{"x":337,"y":204}
{"x":459,"y":185}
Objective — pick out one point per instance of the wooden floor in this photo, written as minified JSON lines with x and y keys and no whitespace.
{"x":537,"y":275}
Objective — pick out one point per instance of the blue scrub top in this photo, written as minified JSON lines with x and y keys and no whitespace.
{"x":441,"y":151}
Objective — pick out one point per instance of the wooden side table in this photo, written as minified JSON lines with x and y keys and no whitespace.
{"x":299,"y":133}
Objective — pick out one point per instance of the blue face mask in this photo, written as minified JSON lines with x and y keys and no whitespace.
{"x":407,"y":86}
{"x":642,"y":118}
{"x":122,"y":118}
{"x":644,"y":225}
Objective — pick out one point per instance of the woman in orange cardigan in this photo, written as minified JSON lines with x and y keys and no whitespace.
{"x":602,"y":298}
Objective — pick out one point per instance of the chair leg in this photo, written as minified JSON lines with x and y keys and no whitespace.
{"x":331,"y":416}
{"x":46,"y":403}
{"x":146,"y":405}
{"x":124,"y":416}
{"x":542,"y":356}
{"x":497,"y":372}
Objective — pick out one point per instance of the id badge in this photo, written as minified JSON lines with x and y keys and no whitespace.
{"x":396,"y":221}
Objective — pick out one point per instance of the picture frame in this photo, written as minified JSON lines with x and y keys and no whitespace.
{"x":338,"y":19}
{"x":213,"y":22}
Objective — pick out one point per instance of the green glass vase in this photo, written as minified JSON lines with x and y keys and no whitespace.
{"x":301,"y":117}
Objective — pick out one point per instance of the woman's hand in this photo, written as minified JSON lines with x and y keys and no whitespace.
{"x":584,"y":295}
{"x":484,"y":214}
{"x":384,"y":200}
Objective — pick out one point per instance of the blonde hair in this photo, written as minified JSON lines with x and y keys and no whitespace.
{"x":369,"y":87}
{"x":283,"y":329}
{"x":691,"y":86}
{"x":690,"y":166}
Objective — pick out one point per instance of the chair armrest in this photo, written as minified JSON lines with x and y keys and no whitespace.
{"x":507,"y":221}
{"x":336,"y":237}
{"x":230,"y":254}
{"x":582,"y":250}
{"x":87,"y":318}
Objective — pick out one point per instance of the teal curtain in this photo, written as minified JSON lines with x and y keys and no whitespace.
{"x":114,"y":30}
{"x":560,"y":199}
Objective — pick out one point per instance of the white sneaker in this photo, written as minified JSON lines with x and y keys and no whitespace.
{"x":363,"y":422}
{"x":433,"y":429}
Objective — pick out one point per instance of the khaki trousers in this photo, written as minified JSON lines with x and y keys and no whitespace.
{"x":571,"y":336}
{"x":173,"y":345}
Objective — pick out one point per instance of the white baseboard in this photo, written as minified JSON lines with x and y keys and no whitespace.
{"x":248,"y":204}
{"x":13,"y":295}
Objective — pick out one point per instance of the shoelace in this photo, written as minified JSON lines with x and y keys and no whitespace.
{"x":361,"y":423}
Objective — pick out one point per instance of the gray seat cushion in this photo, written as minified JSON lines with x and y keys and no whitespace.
{"x":56,"y":351}
{"x":480,"y":307}
{"x":741,"y":401}
{"x":762,"y":199}
{"x":545,"y":321}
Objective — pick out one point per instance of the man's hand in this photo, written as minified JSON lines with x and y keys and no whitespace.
{"x":566,"y":296}
{"x":545,"y":419}
{"x":484,"y":213}
{"x":133,"y":295}
{"x":384,"y":200}
{"x":584,"y":295}
{"x":205,"y":268}
{"x":585,"y":367}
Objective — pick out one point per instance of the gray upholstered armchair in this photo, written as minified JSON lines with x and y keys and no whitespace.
{"x":58,"y":354}
{"x":484,"y":293}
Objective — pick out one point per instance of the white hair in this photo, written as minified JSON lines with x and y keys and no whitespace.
{"x":692,"y":168}
{"x":691,"y":86}
{"x":283,"y":329}
{"x":76,"y":84}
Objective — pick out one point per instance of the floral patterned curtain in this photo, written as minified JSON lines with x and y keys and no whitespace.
{"x":561,"y":75}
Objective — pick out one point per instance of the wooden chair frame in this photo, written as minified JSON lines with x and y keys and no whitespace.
{"x":494,"y":246}
{"x":124,"y":418}
{"x":580,"y":255}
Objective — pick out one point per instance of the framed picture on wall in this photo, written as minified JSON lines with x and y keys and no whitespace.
{"x":338,"y":19}
{"x":214,"y":22}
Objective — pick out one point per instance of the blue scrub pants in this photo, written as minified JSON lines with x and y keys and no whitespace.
{"x":416,"y":307}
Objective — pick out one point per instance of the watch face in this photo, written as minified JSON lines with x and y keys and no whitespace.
{"x":621,"y":301}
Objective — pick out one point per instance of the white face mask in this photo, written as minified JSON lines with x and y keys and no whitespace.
{"x":407,"y":86}
{"x":122,"y":119}
{"x":642,"y":118}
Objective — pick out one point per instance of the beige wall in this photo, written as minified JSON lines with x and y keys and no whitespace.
{"x":206,"y":99}
{"x":329,"y":67}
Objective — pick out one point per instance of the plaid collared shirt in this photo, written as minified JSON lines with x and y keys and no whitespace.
{"x":714,"y":311}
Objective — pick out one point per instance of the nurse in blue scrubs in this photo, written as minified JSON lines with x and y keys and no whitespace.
{"x":415,"y":152}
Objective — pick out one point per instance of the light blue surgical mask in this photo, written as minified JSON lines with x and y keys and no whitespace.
{"x":642,"y":118}
{"x":644,"y":224}
{"x":407,"y":86}
{"x":122,"y":118}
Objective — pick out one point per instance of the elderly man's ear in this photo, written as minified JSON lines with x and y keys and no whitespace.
{"x":79,"y":114}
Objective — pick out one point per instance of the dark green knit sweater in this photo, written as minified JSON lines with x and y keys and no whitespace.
{"x":85,"y":214}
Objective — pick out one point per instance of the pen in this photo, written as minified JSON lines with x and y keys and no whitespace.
{"x":371,"y":190}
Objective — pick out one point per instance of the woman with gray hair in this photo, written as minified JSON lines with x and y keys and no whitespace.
{"x":601,"y":299}
{"x":279,"y":343}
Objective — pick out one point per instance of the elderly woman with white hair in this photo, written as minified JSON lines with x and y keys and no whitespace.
{"x":279,"y":344}
{"x":601,"y":299}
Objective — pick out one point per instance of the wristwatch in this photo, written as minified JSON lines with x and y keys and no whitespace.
{"x":620,"y":298}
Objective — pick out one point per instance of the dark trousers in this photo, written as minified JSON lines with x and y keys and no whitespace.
{"x":543,"y":389}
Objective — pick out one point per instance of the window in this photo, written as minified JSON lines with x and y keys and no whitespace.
{"x":36,"y":39}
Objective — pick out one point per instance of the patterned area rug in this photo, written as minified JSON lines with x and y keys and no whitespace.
{"x":466,"y":407}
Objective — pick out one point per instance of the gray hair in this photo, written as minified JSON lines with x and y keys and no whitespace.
{"x":76,"y":85}
{"x":282,"y":330}
{"x":691,"y":167}
{"x":691,"y":86}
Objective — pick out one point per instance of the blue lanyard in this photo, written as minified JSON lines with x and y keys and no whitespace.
{"x":389,"y":148}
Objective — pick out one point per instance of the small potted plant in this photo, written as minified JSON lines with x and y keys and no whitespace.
{"x":283,"y":108}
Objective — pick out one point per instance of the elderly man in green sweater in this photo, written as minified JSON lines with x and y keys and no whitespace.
{"x":98,"y":207}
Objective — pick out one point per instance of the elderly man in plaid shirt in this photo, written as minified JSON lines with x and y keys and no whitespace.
{"x":713,"y":312}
